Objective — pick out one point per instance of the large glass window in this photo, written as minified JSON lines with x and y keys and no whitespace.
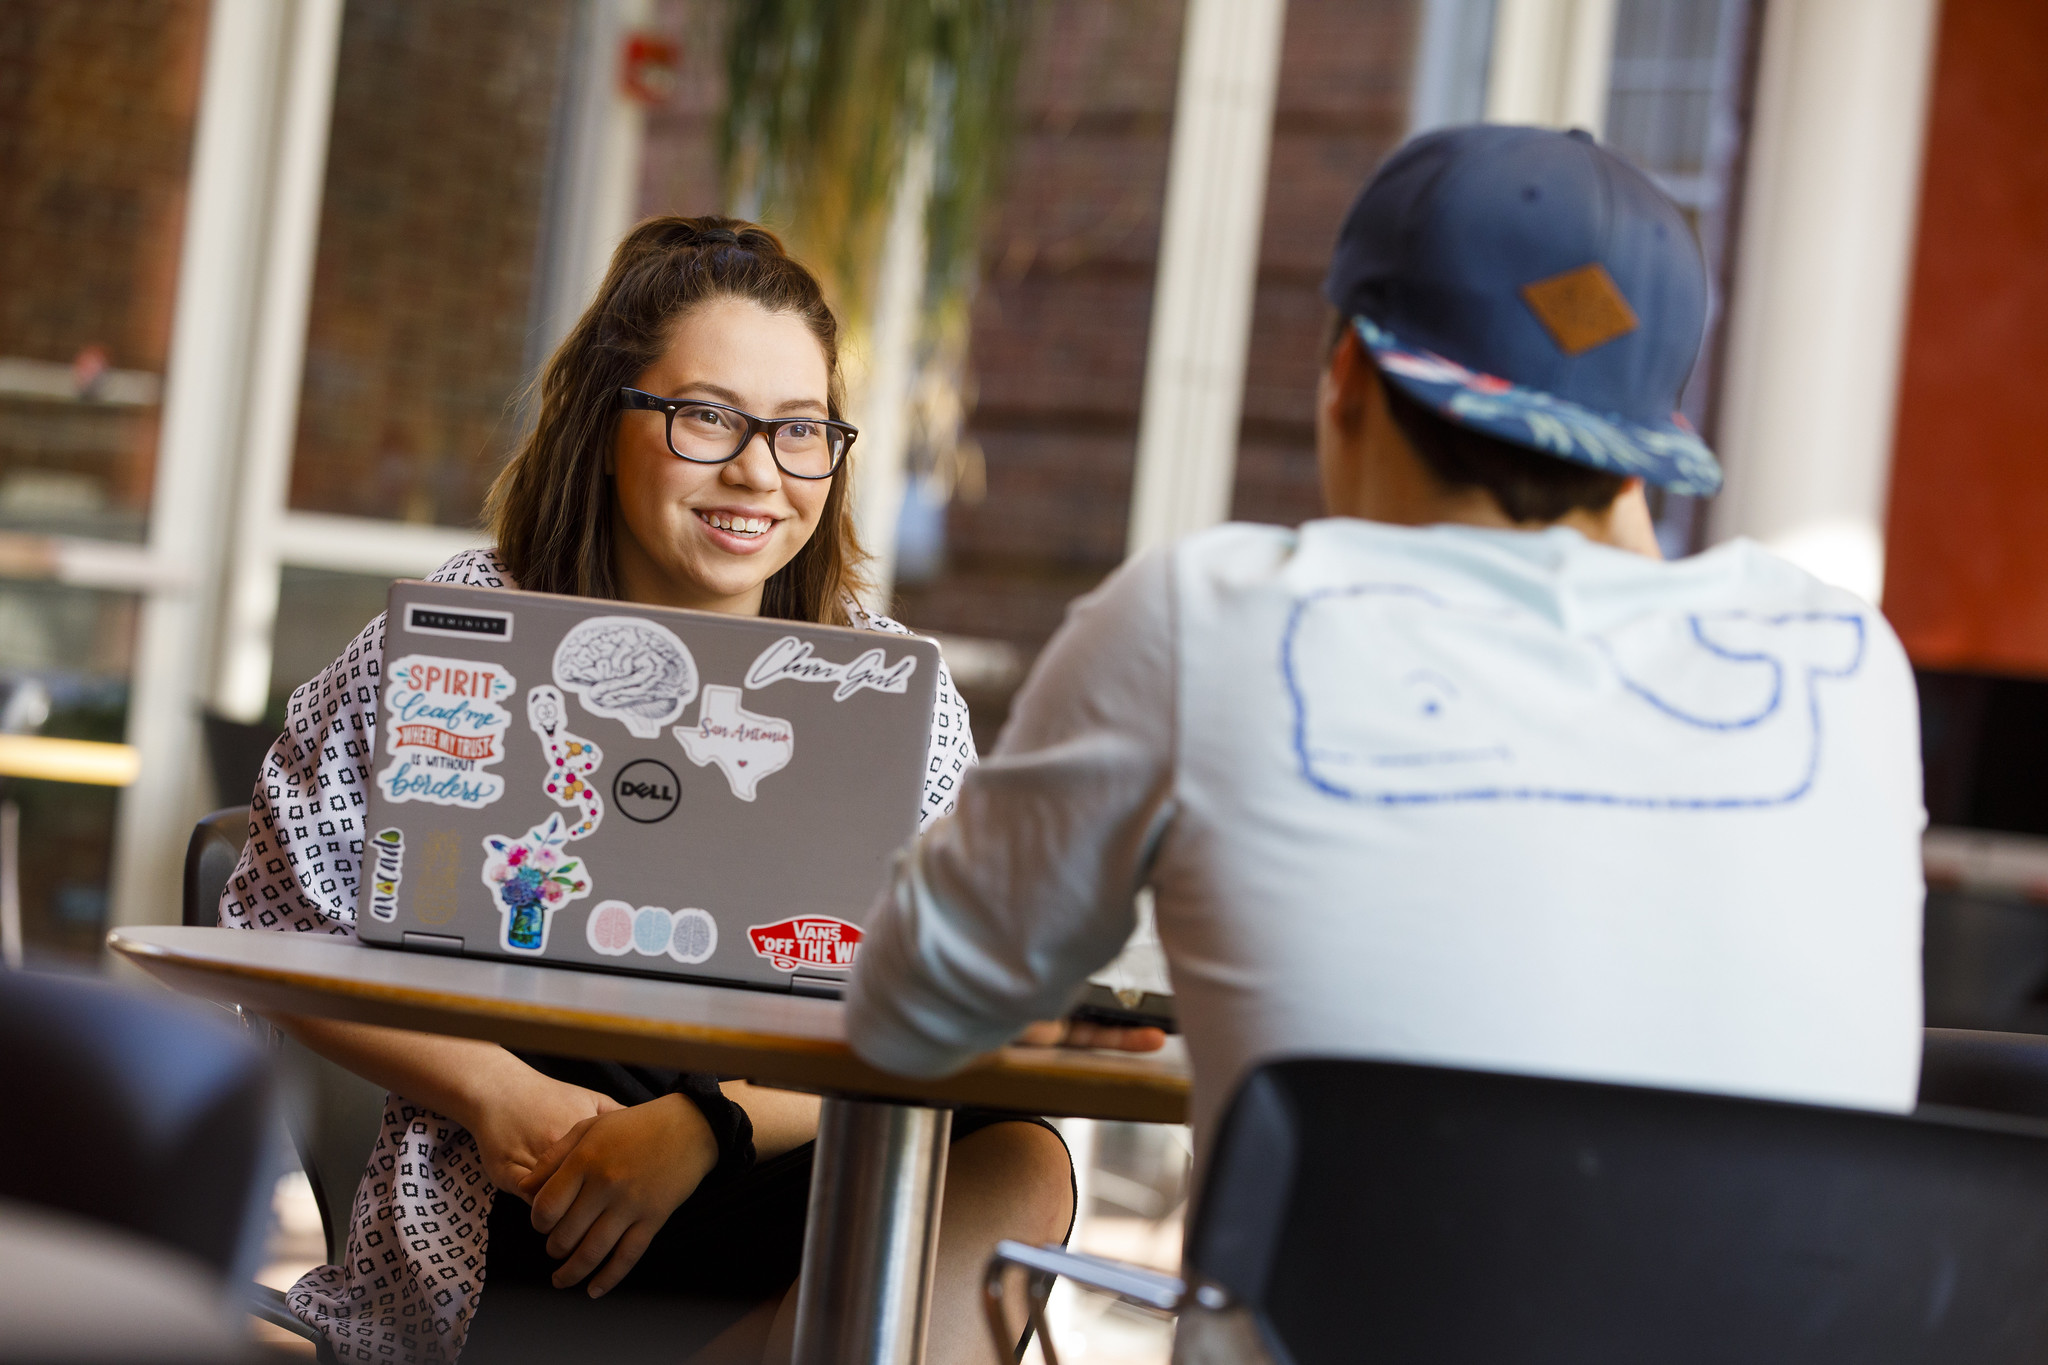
{"x":96,"y":110}
{"x":430,"y":234}
{"x":97,"y":104}
{"x":1677,"y":106}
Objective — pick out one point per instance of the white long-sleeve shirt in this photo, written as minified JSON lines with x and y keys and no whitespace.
{"x":1504,"y":800}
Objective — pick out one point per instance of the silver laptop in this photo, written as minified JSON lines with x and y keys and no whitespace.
{"x":598,"y":784}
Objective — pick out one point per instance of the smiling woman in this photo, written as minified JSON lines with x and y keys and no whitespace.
{"x":623,"y":490}
{"x":688,"y":453}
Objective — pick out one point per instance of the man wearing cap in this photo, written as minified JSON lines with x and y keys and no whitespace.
{"x":1463,"y":774}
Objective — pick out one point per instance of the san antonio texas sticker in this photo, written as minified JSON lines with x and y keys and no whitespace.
{"x":806,"y":941}
{"x":443,"y":725}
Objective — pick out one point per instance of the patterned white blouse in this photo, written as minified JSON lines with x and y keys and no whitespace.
{"x":419,"y":1230}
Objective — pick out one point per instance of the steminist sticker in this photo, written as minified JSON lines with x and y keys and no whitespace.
{"x":444,"y":724}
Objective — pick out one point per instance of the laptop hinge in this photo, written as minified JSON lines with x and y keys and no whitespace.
{"x":829,"y":987}
{"x":437,"y":943}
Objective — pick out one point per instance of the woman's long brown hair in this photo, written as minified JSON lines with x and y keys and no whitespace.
{"x":551,"y":506}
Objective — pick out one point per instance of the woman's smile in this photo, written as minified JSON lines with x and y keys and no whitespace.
{"x":737,"y":531}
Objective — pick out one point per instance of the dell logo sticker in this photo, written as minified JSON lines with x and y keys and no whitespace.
{"x":646,"y":791}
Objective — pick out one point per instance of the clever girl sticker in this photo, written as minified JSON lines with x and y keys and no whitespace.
{"x":443,"y":725}
{"x":806,"y":941}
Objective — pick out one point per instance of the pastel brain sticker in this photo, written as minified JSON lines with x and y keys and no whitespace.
{"x":572,"y":760}
{"x":627,"y":669}
{"x":615,"y":928}
{"x":443,"y":725}
{"x":745,"y":746}
{"x":530,"y":878}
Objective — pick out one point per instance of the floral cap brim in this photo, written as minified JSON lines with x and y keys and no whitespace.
{"x":1670,"y":455}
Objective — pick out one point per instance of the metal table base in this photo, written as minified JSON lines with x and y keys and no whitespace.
{"x":872,"y":1238}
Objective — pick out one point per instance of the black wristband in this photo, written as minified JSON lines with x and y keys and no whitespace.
{"x":729,"y":1125}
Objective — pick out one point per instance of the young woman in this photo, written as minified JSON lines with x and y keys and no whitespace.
{"x":564,"y":1173}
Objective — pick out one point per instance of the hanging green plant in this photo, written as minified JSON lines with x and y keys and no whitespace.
{"x":825,"y":100}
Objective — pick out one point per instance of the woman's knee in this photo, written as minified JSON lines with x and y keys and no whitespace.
{"x":1022,"y":1172}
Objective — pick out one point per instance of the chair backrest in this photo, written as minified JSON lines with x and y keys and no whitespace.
{"x":2005,"y":1073}
{"x":1406,"y":1213}
{"x":137,"y":1110}
{"x":334,"y":1115}
{"x":210,"y":857}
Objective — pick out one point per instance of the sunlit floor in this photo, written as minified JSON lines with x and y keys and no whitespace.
{"x":1089,"y":1329}
{"x":296,"y":1244}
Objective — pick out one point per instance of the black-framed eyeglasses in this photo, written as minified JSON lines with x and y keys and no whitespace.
{"x":712,"y":433}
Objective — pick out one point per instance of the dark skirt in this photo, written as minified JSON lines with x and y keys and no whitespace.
{"x":735,"y":1244}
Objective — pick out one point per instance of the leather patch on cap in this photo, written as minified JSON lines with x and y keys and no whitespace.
{"x":1581,"y":308}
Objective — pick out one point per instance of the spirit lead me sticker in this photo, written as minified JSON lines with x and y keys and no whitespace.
{"x":444,"y":724}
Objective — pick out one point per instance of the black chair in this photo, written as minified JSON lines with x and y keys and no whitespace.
{"x":138,"y":1111}
{"x":1410,"y":1213}
{"x":210,"y":857}
{"x":334,"y":1115}
{"x":2004,"y":1073}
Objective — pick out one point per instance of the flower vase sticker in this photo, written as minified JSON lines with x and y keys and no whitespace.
{"x":530,"y":879}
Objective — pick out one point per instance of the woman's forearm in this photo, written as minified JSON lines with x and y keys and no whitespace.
{"x":452,"y":1076}
{"x":458,"y":1076}
{"x":782,"y":1119}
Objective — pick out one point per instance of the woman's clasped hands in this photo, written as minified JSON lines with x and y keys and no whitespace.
{"x":603,"y":1190}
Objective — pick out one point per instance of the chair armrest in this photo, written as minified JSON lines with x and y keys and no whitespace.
{"x":268,"y":1304}
{"x":1132,"y":1283}
{"x":1139,"y":1284}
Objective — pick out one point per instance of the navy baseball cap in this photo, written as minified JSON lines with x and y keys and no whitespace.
{"x":1533,"y":286}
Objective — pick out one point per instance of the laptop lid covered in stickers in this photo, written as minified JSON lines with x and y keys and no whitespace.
{"x":600,"y":784}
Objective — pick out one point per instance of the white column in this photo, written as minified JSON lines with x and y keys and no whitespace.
{"x":1208,"y":268}
{"x":883,"y":407}
{"x":303,"y":114}
{"x":1551,"y":60}
{"x":1817,"y":318}
{"x":594,"y":184}
{"x":248,"y":49}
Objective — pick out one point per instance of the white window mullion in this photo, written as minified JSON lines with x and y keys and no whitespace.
{"x":251,"y":54}
{"x":1208,"y":268}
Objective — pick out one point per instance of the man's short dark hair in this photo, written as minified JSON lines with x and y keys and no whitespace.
{"x":1529,"y":486}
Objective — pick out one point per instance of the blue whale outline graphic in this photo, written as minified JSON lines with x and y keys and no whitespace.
{"x":1312,"y":763}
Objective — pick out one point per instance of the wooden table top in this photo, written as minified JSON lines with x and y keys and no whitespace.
{"x":776,"y":1039}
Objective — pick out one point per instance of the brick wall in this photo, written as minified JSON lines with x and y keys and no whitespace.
{"x":1342,"y":107}
{"x":1058,"y":346}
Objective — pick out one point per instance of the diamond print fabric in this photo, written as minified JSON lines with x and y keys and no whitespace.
{"x":418,"y":1238}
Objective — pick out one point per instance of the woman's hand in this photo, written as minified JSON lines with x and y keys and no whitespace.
{"x":522,"y":1122}
{"x":607,"y":1187}
{"x":1078,"y":1033}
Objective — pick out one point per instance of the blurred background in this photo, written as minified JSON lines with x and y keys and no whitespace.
{"x":273,"y":275}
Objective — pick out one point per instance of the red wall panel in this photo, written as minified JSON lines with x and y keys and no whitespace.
{"x":1966,"y":581}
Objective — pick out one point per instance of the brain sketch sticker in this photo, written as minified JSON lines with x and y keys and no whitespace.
{"x":1403,"y":697}
{"x":628,"y":669}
